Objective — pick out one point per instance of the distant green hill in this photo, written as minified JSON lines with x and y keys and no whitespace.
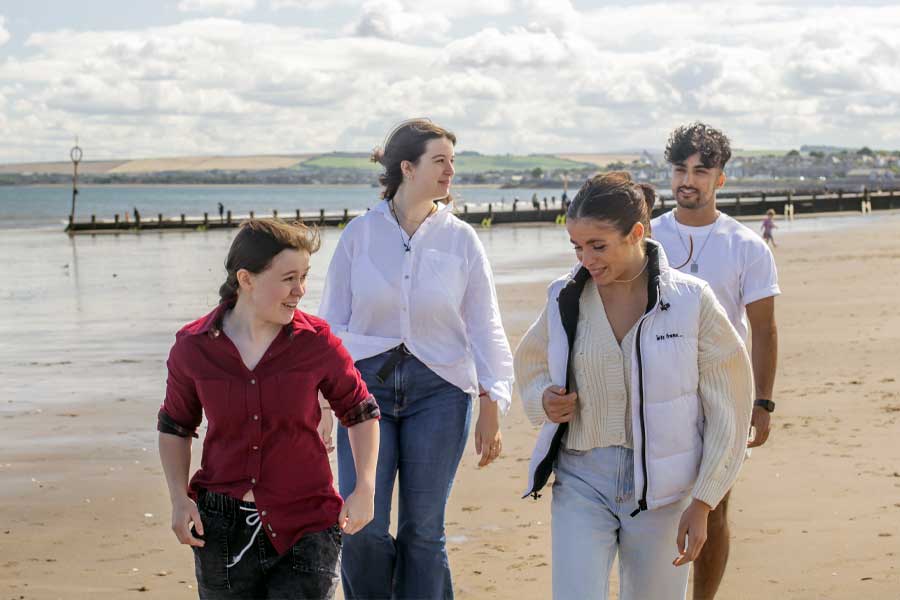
{"x":468,"y":163}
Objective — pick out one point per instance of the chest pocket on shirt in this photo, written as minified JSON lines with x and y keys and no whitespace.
{"x":445,"y":274}
{"x":217,"y":404}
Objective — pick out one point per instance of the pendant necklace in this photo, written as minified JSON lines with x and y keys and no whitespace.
{"x":695,"y":265}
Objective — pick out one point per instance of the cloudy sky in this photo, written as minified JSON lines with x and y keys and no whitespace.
{"x":150,"y":78}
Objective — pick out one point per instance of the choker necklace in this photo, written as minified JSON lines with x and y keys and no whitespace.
{"x":639,"y":273}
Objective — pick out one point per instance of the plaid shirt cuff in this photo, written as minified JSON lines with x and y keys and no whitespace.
{"x":165,"y":424}
{"x":365,"y":410}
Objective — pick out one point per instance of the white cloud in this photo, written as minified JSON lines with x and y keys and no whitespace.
{"x":227,"y":7}
{"x":389,"y":19}
{"x":549,"y":77}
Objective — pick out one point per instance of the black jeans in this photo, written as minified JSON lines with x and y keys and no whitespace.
{"x":309,"y":570}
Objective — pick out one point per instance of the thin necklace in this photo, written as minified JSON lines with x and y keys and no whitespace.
{"x":406,"y":242}
{"x":695,"y":266}
{"x":646,"y":262}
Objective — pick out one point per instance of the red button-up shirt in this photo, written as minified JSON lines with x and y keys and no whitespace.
{"x":262,"y":424}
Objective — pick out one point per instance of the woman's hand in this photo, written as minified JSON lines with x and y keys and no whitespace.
{"x":184,"y":512}
{"x":488,"y":440}
{"x":358,"y":510}
{"x":558,"y":405}
{"x":692,"y":526}
{"x":326,"y":429}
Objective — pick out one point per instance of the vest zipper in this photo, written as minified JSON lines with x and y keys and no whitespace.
{"x":642,"y":502}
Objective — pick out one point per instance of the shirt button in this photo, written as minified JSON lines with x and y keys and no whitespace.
{"x":252,"y":382}
{"x":252,"y":480}
{"x":256,"y":417}
{"x":263,"y":513}
{"x":256,"y":447}
{"x":274,"y":534}
{"x":406,"y":277}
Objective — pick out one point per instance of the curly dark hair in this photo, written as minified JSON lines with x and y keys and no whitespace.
{"x":713,"y":146}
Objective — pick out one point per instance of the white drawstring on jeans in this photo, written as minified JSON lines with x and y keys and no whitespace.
{"x":251,"y":520}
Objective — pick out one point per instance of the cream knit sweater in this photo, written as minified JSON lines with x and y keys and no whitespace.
{"x":601,"y":372}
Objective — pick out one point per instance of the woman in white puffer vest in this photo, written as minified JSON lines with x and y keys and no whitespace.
{"x":643,"y":390}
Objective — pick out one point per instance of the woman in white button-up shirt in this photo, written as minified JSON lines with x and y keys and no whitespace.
{"x":411,"y":294}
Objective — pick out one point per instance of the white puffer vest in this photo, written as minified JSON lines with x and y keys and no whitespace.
{"x":667,"y":416}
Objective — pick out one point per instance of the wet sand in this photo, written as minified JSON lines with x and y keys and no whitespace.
{"x":85,"y":512}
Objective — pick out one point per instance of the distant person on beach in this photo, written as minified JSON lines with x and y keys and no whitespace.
{"x":564,"y":201}
{"x":411,"y":293}
{"x":740,"y":268}
{"x":137,"y":216}
{"x":768,"y":226}
{"x":221,"y":212}
{"x":643,"y":389}
{"x":267,"y":522}
{"x":515,"y":203}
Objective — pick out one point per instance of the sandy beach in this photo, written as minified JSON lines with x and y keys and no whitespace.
{"x":85,"y":513}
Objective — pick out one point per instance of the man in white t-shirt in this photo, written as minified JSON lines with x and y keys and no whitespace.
{"x":740,"y":268}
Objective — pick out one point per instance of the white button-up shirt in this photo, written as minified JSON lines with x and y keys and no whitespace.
{"x":438,"y":299}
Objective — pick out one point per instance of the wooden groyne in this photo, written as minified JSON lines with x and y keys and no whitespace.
{"x":745,"y":204}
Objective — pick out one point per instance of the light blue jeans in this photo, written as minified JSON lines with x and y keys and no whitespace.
{"x":593,"y":497}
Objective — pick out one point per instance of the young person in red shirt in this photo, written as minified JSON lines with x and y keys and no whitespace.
{"x":267,"y":521}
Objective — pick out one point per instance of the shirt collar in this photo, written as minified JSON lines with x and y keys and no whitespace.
{"x":211,"y":324}
{"x":384,"y":208}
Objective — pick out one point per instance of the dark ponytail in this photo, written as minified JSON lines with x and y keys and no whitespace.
{"x":406,"y":142}
{"x":257,"y":242}
{"x":614,"y":197}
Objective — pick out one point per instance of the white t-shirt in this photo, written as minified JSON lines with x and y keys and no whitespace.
{"x":734,"y":260}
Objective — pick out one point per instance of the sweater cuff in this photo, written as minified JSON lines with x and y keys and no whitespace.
{"x":710,"y":491}
{"x":533,"y":400}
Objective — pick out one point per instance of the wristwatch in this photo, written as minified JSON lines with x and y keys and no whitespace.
{"x":766,"y":404}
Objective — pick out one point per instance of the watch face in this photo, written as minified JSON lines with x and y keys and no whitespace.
{"x":766,"y":404}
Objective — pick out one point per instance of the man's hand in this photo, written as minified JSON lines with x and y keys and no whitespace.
{"x":326,"y":429}
{"x":693,"y":527}
{"x":558,"y":405}
{"x":760,"y":422}
{"x":184,"y":512}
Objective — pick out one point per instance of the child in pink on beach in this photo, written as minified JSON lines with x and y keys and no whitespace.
{"x":768,"y":225}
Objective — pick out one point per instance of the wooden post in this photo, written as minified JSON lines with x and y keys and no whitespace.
{"x":205,"y":219}
{"x":465,"y":209}
{"x":274,"y":213}
{"x":117,"y":218}
{"x":228,"y":217}
{"x":490,"y":210}
{"x":251,"y":214}
{"x":182,"y":219}
{"x":159,"y":218}
{"x":737,"y":205}
{"x":321,"y":216}
{"x":346,"y":217}
{"x":298,"y":216}
{"x":93,"y":219}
